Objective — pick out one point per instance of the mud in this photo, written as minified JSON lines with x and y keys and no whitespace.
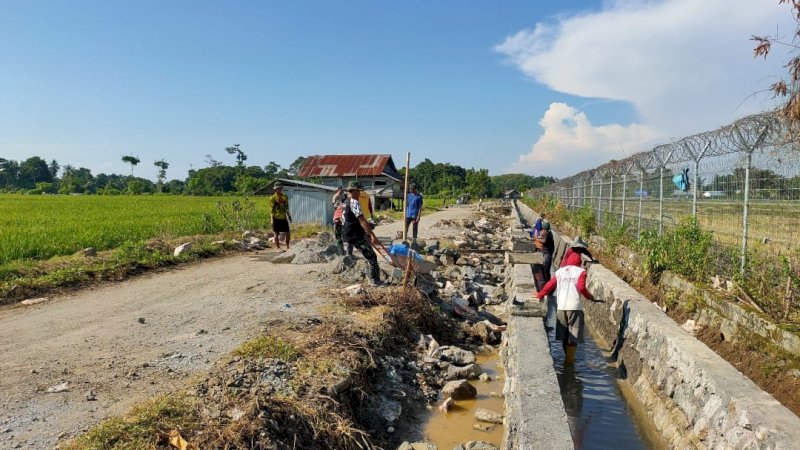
{"x":448,"y":429}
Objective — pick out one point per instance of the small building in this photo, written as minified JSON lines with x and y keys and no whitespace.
{"x":377,"y":173}
{"x":308,"y":202}
{"x":512,"y":194}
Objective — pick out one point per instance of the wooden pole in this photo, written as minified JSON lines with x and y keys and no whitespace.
{"x":405,"y":197}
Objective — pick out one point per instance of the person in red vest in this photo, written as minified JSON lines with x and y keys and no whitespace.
{"x":569,"y":283}
{"x":573,"y":255}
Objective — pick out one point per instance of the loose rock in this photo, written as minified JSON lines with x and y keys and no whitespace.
{"x":484,"y":415}
{"x":459,"y":390}
{"x":457,"y":356}
{"x":181,"y":249}
{"x":61,"y":387}
{"x":468,"y":372}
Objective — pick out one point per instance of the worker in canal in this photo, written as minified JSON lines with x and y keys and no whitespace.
{"x":569,"y":283}
{"x":544,"y":243}
{"x":573,"y":255}
{"x":357,"y":232}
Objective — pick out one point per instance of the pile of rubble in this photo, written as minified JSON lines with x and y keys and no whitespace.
{"x":310,"y":251}
{"x":476,"y":234}
{"x":381,"y":219}
{"x":346,"y":268}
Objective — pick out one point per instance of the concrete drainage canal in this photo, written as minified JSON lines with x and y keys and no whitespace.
{"x":579,"y":405}
{"x":598,"y":414}
{"x":639,"y":380}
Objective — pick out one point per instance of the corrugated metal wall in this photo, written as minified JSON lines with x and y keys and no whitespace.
{"x":309,"y":205}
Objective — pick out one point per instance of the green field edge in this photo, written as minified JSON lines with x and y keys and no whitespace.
{"x":28,"y":279}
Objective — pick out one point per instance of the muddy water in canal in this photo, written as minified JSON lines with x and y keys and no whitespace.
{"x":456,"y":426}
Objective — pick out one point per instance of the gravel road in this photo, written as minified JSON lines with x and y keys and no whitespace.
{"x":95,"y":340}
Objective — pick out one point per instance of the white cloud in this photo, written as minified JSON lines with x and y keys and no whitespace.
{"x":685,"y":65}
{"x":570,"y":143}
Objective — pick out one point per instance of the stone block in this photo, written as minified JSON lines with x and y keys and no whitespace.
{"x":524,"y":258}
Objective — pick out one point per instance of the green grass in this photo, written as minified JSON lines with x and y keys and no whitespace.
{"x":268,"y":346}
{"x":41,"y":227}
{"x":146,"y":426}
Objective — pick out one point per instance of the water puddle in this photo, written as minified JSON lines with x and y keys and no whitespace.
{"x":455,"y":427}
{"x":598,"y":415}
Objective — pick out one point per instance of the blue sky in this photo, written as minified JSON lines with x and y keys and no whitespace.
{"x":525,"y":86}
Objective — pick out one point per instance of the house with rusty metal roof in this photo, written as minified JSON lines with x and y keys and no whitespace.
{"x":377,"y":173}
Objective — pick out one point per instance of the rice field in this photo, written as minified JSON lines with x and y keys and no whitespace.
{"x":40,"y":227}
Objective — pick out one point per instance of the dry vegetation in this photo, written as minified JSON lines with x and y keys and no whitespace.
{"x":327,"y":368}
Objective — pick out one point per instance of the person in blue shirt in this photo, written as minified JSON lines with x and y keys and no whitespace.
{"x":413,"y":210}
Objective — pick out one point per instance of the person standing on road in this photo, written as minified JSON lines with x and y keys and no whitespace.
{"x":281,"y":218}
{"x":569,"y":283}
{"x":339,"y":198}
{"x":413,"y":210}
{"x":357,"y":232}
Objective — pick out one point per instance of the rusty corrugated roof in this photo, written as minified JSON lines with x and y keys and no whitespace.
{"x":349,"y":166}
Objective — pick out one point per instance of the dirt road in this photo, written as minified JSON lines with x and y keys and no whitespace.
{"x":96,"y":343}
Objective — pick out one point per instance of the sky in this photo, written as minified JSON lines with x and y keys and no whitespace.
{"x":540,"y":87}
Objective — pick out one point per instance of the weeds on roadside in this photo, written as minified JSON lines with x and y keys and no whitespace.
{"x":238,"y":214}
{"x":267,"y":346}
{"x":146,"y":426}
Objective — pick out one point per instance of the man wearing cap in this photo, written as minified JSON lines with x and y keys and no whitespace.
{"x":413,"y":209}
{"x":279,"y":211}
{"x":569,"y":283}
{"x":545,"y":244}
{"x":573,"y":255}
{"x":357,"y":232}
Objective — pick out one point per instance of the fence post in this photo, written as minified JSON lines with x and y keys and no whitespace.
{"x":611,"y":195}
{"x":591,"y":193}
{"x":746,"y":212}
{"x":661,"y":165}
{"x":660,"y":200}
{"x":599,"y":217}
{"x":624,"y":193}
{"x":583,"y":195}
{"x":575,"y":191}
{"x":745,"y":215}
{"x":697,"y":159}
{"x":641,"y":195}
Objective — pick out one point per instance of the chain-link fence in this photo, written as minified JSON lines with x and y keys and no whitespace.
{"x":741,"y":182}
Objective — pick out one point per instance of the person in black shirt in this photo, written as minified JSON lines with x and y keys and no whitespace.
{"x":357,"y":232}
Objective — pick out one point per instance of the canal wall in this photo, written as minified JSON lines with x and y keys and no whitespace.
{"x":694,"y":398}
{"x":535,"y":414}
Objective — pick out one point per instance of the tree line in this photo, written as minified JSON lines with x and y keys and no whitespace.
{"x":37,"y":176}
{"x":451,"y":180}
